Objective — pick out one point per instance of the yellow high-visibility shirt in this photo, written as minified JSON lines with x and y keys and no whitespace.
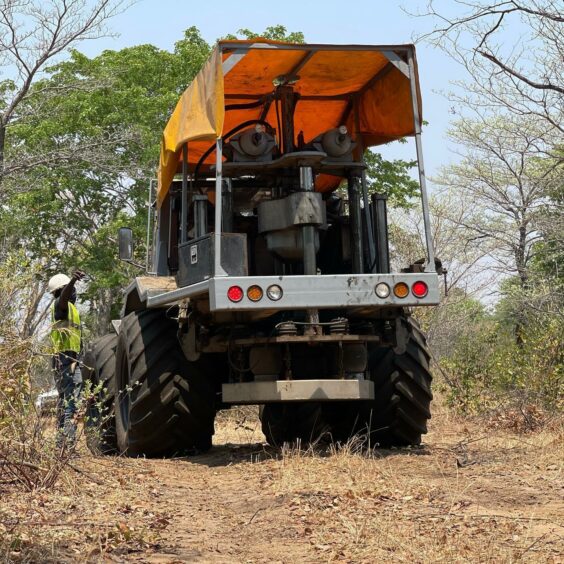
{"x":66,"y":333}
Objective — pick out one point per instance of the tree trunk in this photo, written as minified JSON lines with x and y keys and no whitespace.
{"x":103,"y":309}
{"x":33,"y":318}
{"x":2,"y":148}
{"x":520,"y":261}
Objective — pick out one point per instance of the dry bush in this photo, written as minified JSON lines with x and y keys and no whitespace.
{"x":29,"y":459}
{"x":522,"y":418}
{"x":487,"y":372}
{"x":31,"y":465}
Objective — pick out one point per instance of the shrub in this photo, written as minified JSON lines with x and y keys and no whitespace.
{"x":490,"y":369}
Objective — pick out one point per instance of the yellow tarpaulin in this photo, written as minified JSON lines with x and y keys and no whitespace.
{"x":328,"y":80}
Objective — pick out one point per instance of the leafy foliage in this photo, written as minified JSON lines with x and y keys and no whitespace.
{"x":274,"y":32}
{"x":391,"y":178}
{"x":107,"y":113}
{"x":490,"y":370}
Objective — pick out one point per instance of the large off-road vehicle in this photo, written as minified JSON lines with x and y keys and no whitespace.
{"x":269,"y":281}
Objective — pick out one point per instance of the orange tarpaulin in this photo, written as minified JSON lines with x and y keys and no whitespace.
{"x":328,"y":78}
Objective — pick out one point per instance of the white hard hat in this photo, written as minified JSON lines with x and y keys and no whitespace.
{"x":57,"y":282}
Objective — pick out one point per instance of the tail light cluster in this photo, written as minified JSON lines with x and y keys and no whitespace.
{"x":254,"y":293}
{"x":401,"y":290}
{"x":274,"y":292}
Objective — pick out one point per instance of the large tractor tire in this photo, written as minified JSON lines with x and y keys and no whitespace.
{"x":400,"y":410}
{"x":165,"y":405}
{"x":99,"y":369}
{"x":292,"y":422}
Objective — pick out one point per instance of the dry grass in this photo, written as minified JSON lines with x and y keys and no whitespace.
{"x":494,"y":499}
{"x":466,"y":495}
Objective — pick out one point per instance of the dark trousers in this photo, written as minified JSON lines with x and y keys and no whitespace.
{"x":68,"y":381}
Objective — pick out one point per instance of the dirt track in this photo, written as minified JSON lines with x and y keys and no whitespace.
{"x":466,"y":495}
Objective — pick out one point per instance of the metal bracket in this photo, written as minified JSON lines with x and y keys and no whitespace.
{"x":218,"y":269}
{"x":398,"y":62}
{"x":402,"y":337}
{"x":238,"y":54}
{"x":188,"y":343}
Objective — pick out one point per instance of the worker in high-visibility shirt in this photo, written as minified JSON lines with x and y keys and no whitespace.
{"x":66,"y":338}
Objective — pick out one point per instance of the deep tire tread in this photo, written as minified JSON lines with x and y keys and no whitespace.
{"x":398,"y":415}
{"x":172,"y":405}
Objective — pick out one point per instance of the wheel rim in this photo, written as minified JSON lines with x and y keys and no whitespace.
{"x":124,"y":399}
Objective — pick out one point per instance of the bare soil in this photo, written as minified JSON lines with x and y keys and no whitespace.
{"x":468,"y":494}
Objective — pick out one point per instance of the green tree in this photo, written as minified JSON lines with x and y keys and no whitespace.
{"x":115,"y":107}
{"x":274,"y":32}
{"x":391,"y":178}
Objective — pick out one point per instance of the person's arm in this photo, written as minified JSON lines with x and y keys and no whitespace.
{"x":66,"y":293}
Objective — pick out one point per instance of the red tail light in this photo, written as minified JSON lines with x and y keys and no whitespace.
{"x":235,"y":293}
{"x":419,"y":289}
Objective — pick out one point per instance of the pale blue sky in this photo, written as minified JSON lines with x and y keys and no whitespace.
{"x":162,"y":22}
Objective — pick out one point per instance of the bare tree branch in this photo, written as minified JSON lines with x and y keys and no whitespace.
{"x":520,"y":76}
{"x":34,"y":32}
{"x":519,"y":72}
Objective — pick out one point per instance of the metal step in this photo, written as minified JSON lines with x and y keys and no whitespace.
{"x":297,"y":390}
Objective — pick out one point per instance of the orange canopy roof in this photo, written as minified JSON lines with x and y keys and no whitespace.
{"x":328,"y":78}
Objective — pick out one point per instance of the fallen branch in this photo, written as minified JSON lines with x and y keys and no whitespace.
{"x":86,"y":474}
{"x":530,"y":547}
{"x":4,"y":462}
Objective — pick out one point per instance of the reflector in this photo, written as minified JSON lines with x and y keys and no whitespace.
{"x":274,"y":292}
{"x":382,"y":290}
{"x":254,"y":293}
{"x":401,"y":290}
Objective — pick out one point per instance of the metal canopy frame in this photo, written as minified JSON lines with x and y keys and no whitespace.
{"x":238,"y":46}
{"x":399,"y":56}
